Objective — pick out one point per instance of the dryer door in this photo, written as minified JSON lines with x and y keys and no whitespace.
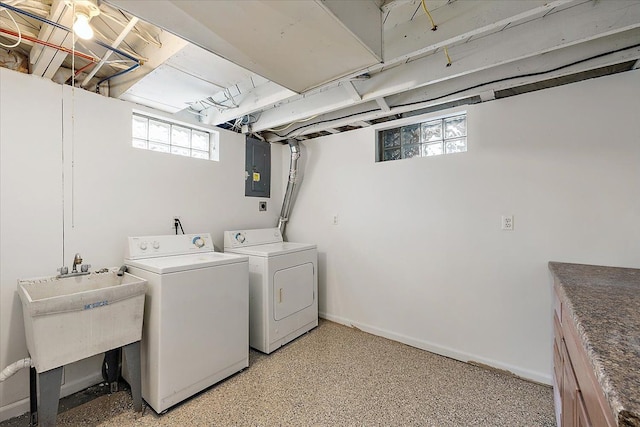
{"x":292,"y":290}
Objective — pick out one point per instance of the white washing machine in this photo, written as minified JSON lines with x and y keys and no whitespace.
{"x":283,"y":286}
{"x":196,"y":320}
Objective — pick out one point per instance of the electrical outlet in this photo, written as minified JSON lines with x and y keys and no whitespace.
{"x":262,"y":206}
{"x":335,"y":219}
{"x":507,"y":222}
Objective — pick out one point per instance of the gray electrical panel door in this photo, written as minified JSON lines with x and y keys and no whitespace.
{"x":257,"y":168}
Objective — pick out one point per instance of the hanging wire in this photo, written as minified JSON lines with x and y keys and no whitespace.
{"x":433,"y":28}
{"x":433,"y":24}
{"x":17,"y":29}
{"x":446,"y":52}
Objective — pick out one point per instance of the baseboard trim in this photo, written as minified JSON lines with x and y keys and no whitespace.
{"x":20,"y":407}
{"x":526,"y":374}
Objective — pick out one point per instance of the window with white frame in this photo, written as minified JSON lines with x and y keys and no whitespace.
{"x":433,"y":137}
{"x":153,"y":134}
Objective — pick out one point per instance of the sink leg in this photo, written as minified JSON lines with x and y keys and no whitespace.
{"x":132,"y":357}
{"x":49,"y":396}
{"x":33,"y":397}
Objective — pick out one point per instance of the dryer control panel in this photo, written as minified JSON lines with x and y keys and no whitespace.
{"x":168,"y":245}
{"x":244,"y":238}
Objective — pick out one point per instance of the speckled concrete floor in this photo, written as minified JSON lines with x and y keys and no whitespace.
{"x":339,"y":376}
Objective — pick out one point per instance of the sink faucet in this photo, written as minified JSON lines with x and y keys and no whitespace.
{"x":77,"y":260}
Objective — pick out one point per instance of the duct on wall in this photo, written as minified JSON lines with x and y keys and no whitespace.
{"x":288,"y":196}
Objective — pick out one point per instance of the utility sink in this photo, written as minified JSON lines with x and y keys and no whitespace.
{"x":70,"y":318}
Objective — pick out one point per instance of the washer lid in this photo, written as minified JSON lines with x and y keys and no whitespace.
{"x":172,"y":264}
{"x":272,"y":249}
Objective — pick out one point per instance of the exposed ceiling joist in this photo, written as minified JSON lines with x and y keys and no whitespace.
{"x":383,"y":104}
{"x":127,"y":29}
{"x":591,"y":21}
{"x":324,"y":48}
{"x":458,"y":22}
{"x":352,"y":91}
{"x":47,"y":60}
{"x":460,"y":89}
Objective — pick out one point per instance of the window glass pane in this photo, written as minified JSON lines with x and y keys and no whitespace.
{"x":432,"y":131}
{"x":410,"y":134}
{"x":181,"y":151}
{"x":154,"y":146}
{"x":140,"y":127}
{"x":180,"y":136}
{"x":159,"y":131}
{"x":200,"y":154}
{"x":199,"y":140}
{"x":393,"y":154}
{"x":432,"y":149}
{"x":455,"y":127}
{"x":456,"y":145}
{"x":139,"y":143}
{"x":409,"y":151}
{"x":391,"y":138}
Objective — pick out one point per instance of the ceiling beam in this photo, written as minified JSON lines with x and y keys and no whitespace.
{"x":529,"y":40}
{"x":383,"y":104}
{"x":127,"y":29}
{"x":47,"y":60}
{"x":455,"y":89}
{"x":459,"y":22}
{"x":352,"y":91}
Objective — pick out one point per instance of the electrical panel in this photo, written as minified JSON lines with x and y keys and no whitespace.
{"x":257,"y":168}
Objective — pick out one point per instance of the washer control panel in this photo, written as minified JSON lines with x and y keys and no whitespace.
{"x":155,"y":246}
{"x":243,"y":238}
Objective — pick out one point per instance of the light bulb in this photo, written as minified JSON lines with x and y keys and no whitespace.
{"x":81,"y":27}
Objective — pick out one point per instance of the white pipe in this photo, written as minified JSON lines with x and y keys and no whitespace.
{"x":107,"y":55}
{"x":14,"y":367}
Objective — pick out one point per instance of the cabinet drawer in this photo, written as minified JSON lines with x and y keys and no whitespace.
{"x":557,"y":304}
{"x":557,"y":331}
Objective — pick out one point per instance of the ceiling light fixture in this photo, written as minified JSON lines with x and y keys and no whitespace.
{"x":84,"y":10}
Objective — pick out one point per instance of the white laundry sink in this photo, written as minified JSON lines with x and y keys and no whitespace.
{"x":67,"y":319}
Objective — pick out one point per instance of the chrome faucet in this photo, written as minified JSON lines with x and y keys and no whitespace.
{"x":77,"y":260}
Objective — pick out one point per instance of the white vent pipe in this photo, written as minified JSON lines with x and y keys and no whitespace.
{"x":14,"y":367}
{"x":288,"y":195}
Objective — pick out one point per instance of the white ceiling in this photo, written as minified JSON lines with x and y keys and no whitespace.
{"x":309,"y":67}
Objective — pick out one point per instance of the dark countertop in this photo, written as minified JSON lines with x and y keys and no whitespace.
{"x":604,"y":303}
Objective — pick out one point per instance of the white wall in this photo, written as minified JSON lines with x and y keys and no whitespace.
{"x":50,"y":209}
{"x":418,"y":254}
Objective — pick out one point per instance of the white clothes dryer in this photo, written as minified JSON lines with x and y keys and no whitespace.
{"x":196,"y":319}
{"x":283,"y":286}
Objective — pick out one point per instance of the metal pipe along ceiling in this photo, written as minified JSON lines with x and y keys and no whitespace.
{"x":293,"y":172}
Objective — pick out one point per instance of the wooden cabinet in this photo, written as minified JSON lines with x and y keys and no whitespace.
{"x":582,"y":400}
{"x":574,"y":412}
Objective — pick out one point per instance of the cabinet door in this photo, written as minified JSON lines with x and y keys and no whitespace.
{"x":583,"y":418}
{"x":569,"y":392}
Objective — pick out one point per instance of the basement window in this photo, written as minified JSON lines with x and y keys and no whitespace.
{"x":434,"y":137}
{"x":181,"y":139}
